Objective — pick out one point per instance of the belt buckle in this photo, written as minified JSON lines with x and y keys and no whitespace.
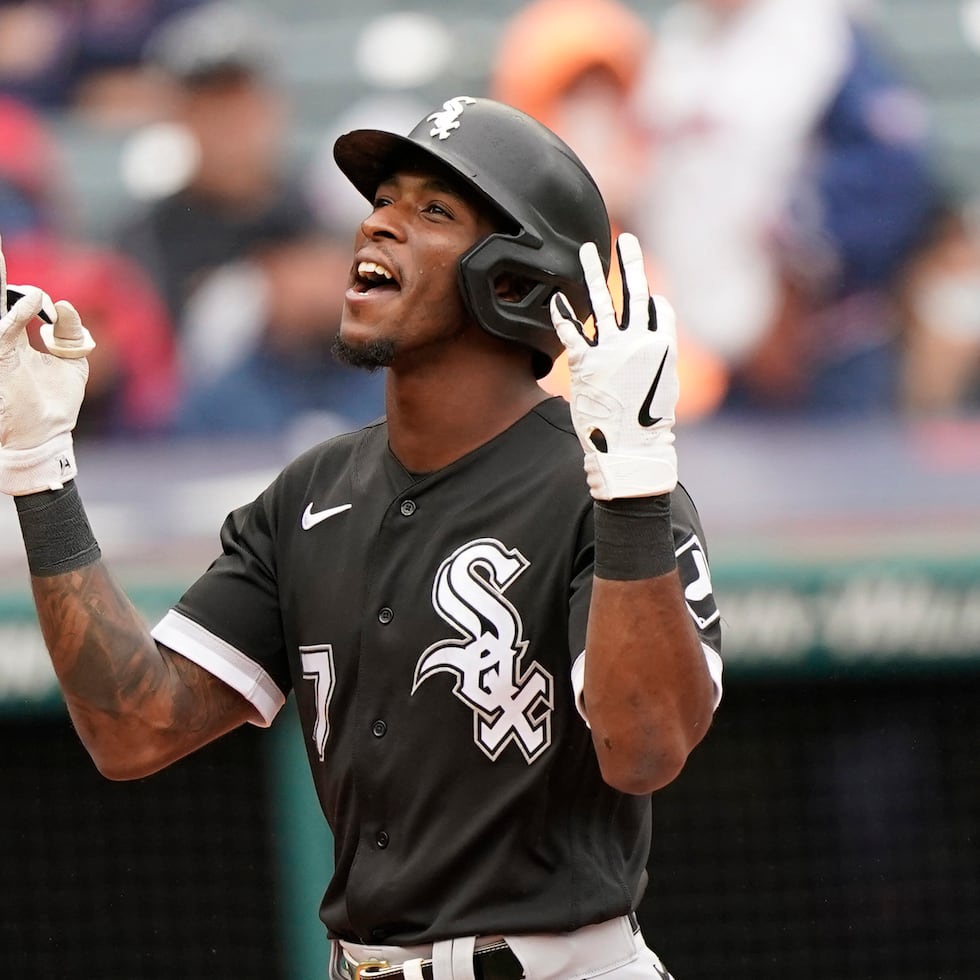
{"x":370,"y":968}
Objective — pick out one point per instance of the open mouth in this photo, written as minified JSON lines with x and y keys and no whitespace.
{"x":372,"y":276}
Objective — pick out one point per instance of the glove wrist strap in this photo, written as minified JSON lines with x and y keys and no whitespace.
{"x":56,"y":531}
{"x":633,"y":538}
{"x":613,"y":476}
{"x":45,"y":467}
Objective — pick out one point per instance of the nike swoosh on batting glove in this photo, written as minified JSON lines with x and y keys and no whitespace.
{"x":623,"y":383}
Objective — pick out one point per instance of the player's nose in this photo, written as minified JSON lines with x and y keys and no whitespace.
{"x":385,"y":222}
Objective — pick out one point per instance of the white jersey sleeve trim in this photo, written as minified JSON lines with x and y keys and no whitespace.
{"x":711,"y":657}
{"x":227,"y":663}
{"x":714,"y":662}
{"x":578,"y":685}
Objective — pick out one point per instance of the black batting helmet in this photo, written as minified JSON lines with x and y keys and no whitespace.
{"x":528,"y":175}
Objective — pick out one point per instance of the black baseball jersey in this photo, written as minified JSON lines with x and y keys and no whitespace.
{"x":431,"y":626}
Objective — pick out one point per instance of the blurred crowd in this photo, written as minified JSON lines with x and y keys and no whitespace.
{"x":216,"y":301}
{"x":776,"y":160}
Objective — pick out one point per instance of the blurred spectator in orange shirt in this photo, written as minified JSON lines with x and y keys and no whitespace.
{"x":573,"y":65}
{"x":132,"y":385}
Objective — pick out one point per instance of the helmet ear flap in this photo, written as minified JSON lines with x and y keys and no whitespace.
{"x":525,"y":319}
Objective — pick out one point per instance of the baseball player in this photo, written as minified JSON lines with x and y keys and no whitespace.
{"x":496,"y":658}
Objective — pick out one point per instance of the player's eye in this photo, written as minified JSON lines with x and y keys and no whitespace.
{"x":438,"y":209}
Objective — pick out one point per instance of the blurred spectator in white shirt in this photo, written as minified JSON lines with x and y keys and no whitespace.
{"x":793,"y":179}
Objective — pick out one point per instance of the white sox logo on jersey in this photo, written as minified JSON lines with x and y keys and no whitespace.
{"x":447,"y":118}
{"x":511,"y":701}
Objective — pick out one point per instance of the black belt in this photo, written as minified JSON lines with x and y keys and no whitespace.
{"x":494,"y":962}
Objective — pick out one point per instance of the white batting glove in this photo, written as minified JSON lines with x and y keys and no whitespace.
{"x":623,"y":384}
{"x":40,"y":394}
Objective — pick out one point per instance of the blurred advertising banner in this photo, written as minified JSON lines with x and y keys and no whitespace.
{"x":832,"y":548}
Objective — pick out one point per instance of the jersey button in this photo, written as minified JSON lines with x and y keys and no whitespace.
{"x":385,"y":616}
{"x":382,"y":840}
{"x":378,"y":729}
{"x":408,"y":507}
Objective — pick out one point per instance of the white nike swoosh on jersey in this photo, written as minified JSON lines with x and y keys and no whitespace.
{"x":311,"y":520}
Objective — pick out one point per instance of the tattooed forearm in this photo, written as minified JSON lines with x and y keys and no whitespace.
{"x":137,"y":706}
{"x":101,"y":650}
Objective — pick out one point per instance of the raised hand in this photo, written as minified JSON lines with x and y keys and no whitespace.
{"x":623,"y":382}
{"x":40,"y":394}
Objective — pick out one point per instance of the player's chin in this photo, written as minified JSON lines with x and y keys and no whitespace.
{"x":367,"y":353}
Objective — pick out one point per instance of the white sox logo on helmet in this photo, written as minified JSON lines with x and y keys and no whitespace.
{"x":447,"y":118}
{"x":511,"y":701}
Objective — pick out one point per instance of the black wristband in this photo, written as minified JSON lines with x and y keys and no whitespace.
{"x":633,"y":538}
{"x":56,"y":531}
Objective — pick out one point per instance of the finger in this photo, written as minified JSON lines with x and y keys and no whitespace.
{"x":636,"y":291}
{"x":66,"y":336}
{"x":595,"y":280}
{"x":568,"y":327}
{"x":662,"y":314}
{"x":30,"y":302}
{"x":14,"y":293}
